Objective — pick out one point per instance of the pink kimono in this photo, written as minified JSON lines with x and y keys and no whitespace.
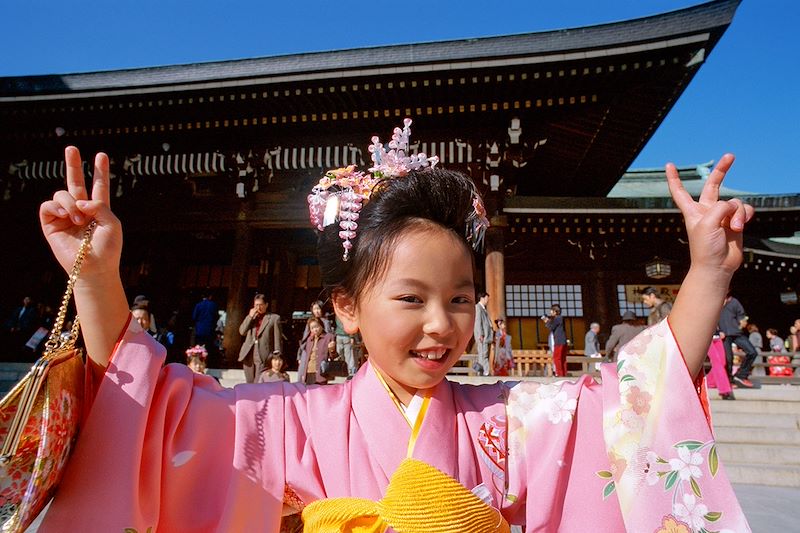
{"x":718,"y":375}
{"x":169,"y":450}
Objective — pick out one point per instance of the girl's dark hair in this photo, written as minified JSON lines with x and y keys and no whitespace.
{"x":439,"y":196}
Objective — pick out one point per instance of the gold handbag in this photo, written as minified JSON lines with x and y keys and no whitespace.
{"x":39,"y":419}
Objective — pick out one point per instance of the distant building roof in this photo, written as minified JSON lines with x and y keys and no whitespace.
{"x":775,"y":247}
{"x":794,"y":240}
{"x":652,"y":183}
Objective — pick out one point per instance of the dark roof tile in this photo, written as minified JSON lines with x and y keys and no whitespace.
{"x":704,"y":17}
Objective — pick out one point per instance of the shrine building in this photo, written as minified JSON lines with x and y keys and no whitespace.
{"x":211,"y":164}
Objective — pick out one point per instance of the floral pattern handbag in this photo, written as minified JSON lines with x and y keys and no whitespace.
{"x":39,"y":419}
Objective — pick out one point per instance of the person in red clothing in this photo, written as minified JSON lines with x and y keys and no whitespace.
{"x":555,"y":323}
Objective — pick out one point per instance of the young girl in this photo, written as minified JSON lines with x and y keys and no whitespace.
{"x":776,"y":345}
{"x":275,"y":371}
{"x":398,"y":446}
{"x":503,"y":354}
{"x":196,"y":357}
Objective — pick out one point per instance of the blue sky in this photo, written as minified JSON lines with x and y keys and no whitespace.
{"x":744,"y":99}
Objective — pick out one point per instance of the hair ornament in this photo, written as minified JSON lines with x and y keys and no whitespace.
{"x":477,"y":223}
{"x":341,"y":193}
{"x":197,"y":350}
{"x":395,"y":163}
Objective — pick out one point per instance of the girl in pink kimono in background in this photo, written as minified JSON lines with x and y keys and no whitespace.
{"x":399,"y":447}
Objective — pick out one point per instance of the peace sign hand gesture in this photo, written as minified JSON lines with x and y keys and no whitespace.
{"x":715,"y":230}
{"x":65,"y":217}
{"x":714,"y":226}
{"x":99,"y":296}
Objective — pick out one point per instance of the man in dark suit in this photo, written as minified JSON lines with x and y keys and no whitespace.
{"x":20,"y":326}
{"x":24,"y":319}
{"x":262,"y":336}
{"x":205,"y":316}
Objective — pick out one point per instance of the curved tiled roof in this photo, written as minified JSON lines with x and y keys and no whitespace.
{"x":590,"y":40}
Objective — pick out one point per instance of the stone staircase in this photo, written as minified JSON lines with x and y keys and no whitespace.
{"x":228,"y":377}
{"x":232,"y":376}
{"x":10,"y":374}
{"x":758,"y":435}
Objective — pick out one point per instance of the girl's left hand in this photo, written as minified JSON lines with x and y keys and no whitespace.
{"x":714,"y":226}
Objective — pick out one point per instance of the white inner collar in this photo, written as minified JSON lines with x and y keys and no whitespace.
{"x":411,"y":411}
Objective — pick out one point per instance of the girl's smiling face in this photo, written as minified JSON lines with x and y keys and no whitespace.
{"x":416,"y":320}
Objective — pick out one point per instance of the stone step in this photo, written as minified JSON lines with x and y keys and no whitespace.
{"x":760,"y":474}
{"x":760,"y":420}
{"x":6,"y":386}
{"x":754,"y":407}
{"x":230,"y":378}
{"x":11,"y":375}
{"x":227,"y":373}
{"x":20,"y":368}
{"x":759,"y":453}
{"x":779,"y":393}
{"x":748,"y":435}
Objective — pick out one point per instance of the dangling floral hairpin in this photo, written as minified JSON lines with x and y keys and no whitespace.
{"x":341,"y":193}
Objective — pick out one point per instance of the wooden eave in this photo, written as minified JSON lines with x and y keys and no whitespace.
{"x":595,"y":94}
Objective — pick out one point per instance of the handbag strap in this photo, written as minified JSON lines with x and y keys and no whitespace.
{"x":53,"y":353}
{"x":56,"y":341}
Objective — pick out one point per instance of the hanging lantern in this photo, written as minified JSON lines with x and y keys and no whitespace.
{"x":657,"y":268}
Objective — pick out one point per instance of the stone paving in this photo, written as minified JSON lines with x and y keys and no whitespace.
{"x":770,"y":509}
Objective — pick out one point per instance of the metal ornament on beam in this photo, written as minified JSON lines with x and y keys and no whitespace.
{"x":657,"y":268}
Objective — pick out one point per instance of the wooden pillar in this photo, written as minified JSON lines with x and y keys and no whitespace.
{"x":495,"y":271}
{"x":238,"y":301}
{"x":603,"y":300}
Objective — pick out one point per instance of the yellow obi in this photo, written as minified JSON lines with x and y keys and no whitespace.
{"x":419,"y":499}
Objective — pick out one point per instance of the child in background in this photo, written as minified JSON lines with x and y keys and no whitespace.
{"x":196,"y":359}
{"x":398,"y":446}
{"x":275,"y":371}
{"x":503,"y":355}
{"x":776,"y":345}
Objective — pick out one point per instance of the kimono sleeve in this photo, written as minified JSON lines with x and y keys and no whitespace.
{"x":636,"y":453}
{"x":170,"y":450}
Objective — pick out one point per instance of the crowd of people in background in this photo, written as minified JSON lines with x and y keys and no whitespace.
{"x":325,"y":350}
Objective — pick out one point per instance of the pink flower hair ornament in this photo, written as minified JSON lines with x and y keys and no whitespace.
{"x":197,"y":351}
{"x":341,"y":193}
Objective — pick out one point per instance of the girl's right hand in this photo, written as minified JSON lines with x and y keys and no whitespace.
{"x":65,"y":217}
